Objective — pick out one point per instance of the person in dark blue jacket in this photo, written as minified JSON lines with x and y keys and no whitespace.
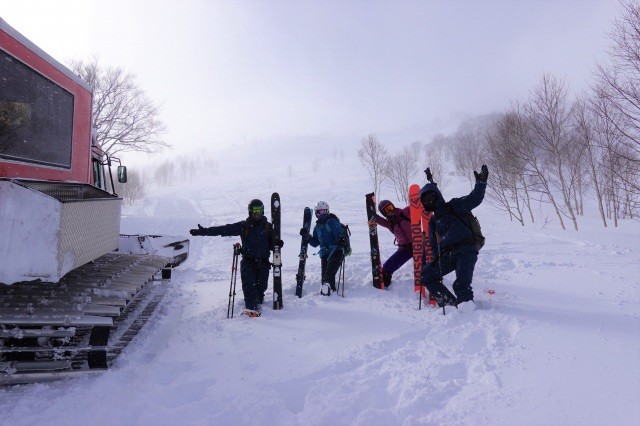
{"x":328,"y":233}
{"x":257,"y":237}
{"x":457,"y":249}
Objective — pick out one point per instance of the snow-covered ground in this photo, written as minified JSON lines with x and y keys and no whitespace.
{"x":557,"y":344}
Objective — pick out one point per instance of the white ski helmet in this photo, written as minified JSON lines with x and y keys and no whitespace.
{"x":322,"y":205}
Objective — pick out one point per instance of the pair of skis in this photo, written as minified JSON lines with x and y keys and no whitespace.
{"x":422,"y":250}
{"x":304,"y":245}
{"x":277,"y":255}
{"x":419,"y":240}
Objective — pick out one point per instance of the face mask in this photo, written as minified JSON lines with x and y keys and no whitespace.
{"x":428,"y":200}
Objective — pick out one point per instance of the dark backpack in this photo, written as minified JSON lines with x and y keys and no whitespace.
{"x":346,"y":233}
{"x":471,"y":222}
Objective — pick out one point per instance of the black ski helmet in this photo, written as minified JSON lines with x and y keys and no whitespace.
{"x":255,"y":203}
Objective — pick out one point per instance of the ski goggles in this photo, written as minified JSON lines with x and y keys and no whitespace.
{"x":388,"y":209}
{"x":256,"y":210}
{"x":321,"y":212}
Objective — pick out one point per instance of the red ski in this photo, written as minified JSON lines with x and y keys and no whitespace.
{"x":417,"y":237}
{"x":427,"y":244}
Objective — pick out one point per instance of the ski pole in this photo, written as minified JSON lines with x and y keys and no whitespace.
{"x":424,"y":263}
{"x":421,"y":286}
{"x":341,"y":274}
{"x":232,"y":284}
{"x":440,"y":270}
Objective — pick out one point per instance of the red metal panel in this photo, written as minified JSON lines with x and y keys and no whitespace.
{"x":80,"y":170}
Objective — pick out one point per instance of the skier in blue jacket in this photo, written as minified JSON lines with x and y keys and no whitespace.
{"x":257,"y":237}
{"x":329,"y":235}
{"x":457,"y":249}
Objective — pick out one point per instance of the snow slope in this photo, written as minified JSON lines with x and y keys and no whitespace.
{"x":557,"y":344}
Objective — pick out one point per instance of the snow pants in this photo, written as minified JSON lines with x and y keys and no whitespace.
{"x":396,"y":260}
{"x":463,"y":263}
{"x":329,"y":267}
{"x":254,"y":274}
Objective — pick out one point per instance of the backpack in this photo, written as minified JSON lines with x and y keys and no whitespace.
{"x":471,"y":222}
{"x":346,"y":233}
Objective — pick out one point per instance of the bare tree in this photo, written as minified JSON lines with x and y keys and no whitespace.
{"x":164,"y":173}
{"x":550,"y":116}
{"x":587,"y":125}
{"x":620,"y":81}
{"x":416,"y":148}
{"x":126,"y":119}
{"x":375,"y":158}
{"x":469,"y":142}
{"x":435,"y":160}
{"x":506,"y":192}
{"x":402,"y":168}
{"x":618,"y":91}
{"x":134,"y":189}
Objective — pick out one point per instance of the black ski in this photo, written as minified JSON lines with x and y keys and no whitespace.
{"x":277,"y":258}
{"x":376,"y":265}
{"x":300,"y":276}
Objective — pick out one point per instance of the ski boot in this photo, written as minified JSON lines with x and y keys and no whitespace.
{"x":325,"y":290}
{"x":386,"y":279}
{"x":445,"y":299}
{"x":252,"y":313}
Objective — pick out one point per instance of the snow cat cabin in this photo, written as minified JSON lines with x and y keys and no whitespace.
{"x":73,"y":291}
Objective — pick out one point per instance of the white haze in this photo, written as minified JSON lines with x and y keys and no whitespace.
{"x":234,"y":72}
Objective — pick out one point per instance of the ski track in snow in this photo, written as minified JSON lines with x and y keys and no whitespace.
{"x":542,"y":350}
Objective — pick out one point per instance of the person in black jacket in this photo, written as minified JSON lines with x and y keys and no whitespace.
{"x":457,"y":249}
{"x":256,"y":234}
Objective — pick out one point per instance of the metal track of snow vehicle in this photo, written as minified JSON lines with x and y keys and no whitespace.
{"x":73,"y":292}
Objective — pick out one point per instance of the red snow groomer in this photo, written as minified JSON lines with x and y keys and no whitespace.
{"x":73,"y":291}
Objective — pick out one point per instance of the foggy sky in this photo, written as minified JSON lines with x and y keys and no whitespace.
{"x":232,"y":71}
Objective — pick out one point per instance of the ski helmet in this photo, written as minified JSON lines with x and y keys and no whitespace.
{"x":322,"y":205}
{"x":384,"y":204}
{"x":321,"y":208}
{"x":255,"y":206}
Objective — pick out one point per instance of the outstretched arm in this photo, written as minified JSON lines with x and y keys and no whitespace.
{"x":230,"y":230}
{"x":476,"y":196}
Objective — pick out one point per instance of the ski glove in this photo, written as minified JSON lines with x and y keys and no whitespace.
{"x":483,"y":175}
{"x":279,"y":243}
{"x":197,"y":231}
{"x":303,"y":232}
{"x":429,"y":175}
{"x":342,"y":242}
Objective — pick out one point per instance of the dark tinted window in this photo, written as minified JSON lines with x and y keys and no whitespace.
{"x":36,"y":116}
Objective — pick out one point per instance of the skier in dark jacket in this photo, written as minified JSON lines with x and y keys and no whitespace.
{"x":399,"y":223}
{"x":329,"y":235}
{"x":457,"y":249}
{"x":256,"y":234}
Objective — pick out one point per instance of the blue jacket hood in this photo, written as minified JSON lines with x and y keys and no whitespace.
{"x":433,"y":187}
